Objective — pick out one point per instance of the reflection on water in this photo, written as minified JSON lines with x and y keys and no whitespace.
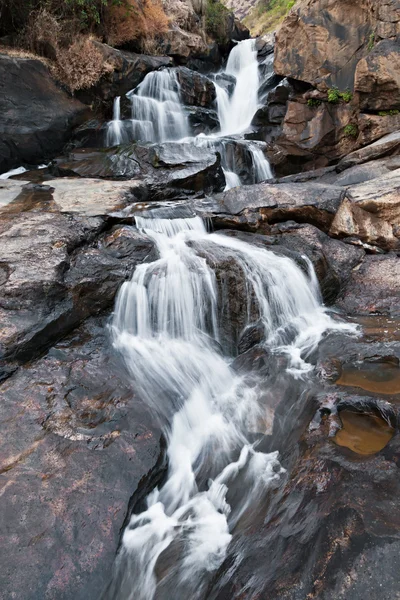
{"x":363,"y":433}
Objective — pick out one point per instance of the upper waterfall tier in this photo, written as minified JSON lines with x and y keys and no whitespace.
{"x":158,"y":114}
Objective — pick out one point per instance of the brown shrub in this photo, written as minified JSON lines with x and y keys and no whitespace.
{"x":80,"y":65}
{"x":131,"y":21}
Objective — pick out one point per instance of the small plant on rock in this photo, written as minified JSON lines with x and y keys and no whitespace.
{"x":333,"y":95}
{"x":371,"y":41}
{"x":347,"y":96}
{"x":351,"y":130}
{"x":388,"y":113}
{"x":313,"y":102}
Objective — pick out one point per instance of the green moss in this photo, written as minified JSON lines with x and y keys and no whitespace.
{"x":313,"y":102}
{"x":371,"y":41}
{"x":267,"y":15}
{"x":388,"y":113}
{"x":351,"y":130}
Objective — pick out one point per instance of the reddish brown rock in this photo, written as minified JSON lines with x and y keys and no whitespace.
{"x":377,"y":77}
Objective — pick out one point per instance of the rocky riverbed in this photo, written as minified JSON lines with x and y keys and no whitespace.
{"x":80,"y":448}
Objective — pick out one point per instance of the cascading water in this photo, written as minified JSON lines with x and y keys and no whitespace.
{"x":157,"y":112}
{"x":236,"y":113}
{"x":166,"y":325}
{"x":116,"y":133}
{"x":159,"y":116}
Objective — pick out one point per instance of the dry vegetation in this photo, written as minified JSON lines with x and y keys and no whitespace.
{"x":63,"y":31}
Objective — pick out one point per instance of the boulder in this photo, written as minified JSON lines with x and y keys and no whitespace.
{"x":79,"y":442}
{"x":380,"y":196}
{"x":264,"y":204}
{"x":164,"y":169}
{"x":333,"y":260}
{"x":374,"y":127}
{"x":127,"y":70}
{"x":203,"y":120}
{"x":196,"y":89}
{"x":36,"y":117}
{"x":377,"y":77}
{"x":182,"y":45}
{"x":312,"y":136}
{"x":351,"y":221}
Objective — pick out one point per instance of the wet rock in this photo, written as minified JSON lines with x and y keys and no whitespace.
{"x":75,"y":280}
{"x":160,"y":168}
{"x":196,"y":89}
{"x":36,"y":117}
{"x":374,"y":287}
{"x":226,"y":81}
{"x":79,"y":443}
{"x":336,"y":504}
{"x":271,"y":203}
{"x":203,"y":120}
{"x":265,"y":45}
{"x":377,"y":77}
{"x":333,"y":260}
{"x":127,"y":70}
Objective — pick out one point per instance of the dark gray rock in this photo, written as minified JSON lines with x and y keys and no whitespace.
{"x":196,"y":89}
{"x":79,"y":442}
{"x":36,"y":117}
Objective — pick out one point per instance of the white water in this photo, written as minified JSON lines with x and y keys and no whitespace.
{"x":116,"y":133}
{"x":166,"y":325}
{"x":157,"y":112}
{"x":236,"y":113}
{"x":159,"y":116}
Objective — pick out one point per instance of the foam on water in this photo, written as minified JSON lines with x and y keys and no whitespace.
{"x":166,"y":327}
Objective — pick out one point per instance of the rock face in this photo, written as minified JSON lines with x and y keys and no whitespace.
{"x":377,"y":77}
{"x":374,"y":287}
{"x":77,"y":277}
{"x":164,"y":170}
{"x":78,"y":443}
{"x":36,"y":117}
{"x":321,"y":41}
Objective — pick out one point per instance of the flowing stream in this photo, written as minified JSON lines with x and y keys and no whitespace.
{"x":159,"y":116}
{"x":167,"y":327}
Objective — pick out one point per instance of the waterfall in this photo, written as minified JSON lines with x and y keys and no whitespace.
{"x":158,"y":114}
{"x":157,"y":111}
{"x":262,"y":168}
{"x":166,"y":326}
{"x":236,"y":113}
{"x":116,"y":133}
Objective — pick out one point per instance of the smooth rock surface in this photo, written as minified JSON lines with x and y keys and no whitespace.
{"x":36,"y":117}
{"x":78,"y":443}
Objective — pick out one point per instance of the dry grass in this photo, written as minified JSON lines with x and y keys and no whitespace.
{"x":130,"y":21}
{"x":81,"y":65}
{"x":20,"y":53}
